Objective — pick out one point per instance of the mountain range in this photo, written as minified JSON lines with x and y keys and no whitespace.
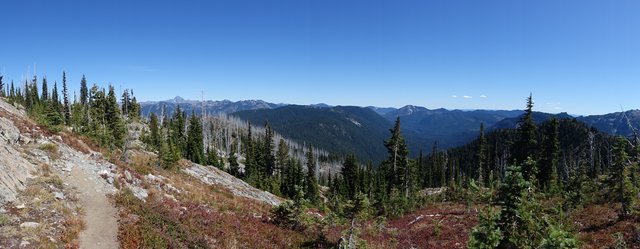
{"x":362,"y":130}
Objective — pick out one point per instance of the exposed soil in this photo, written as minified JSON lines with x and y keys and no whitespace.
{"x":100,"y":215}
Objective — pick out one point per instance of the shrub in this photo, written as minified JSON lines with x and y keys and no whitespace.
{"x":487,"y":234}
{"x":558,"y":238}
{"x":287,"y":215}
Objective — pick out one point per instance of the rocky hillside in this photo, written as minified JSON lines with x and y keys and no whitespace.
{"x":59,"y":190}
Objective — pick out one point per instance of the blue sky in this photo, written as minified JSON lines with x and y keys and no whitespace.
{"x":581,"y":57}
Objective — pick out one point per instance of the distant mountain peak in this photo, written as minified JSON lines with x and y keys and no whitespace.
{"x":178,"y":99}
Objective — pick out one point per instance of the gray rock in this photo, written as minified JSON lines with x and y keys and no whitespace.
{"x":57,"y":138}
{"x":29,"y":224}
{"x":58,"y":195}
{"x":127,"y":176}
{"x":152,"y":178}
{"x":24,"y":243}
{"x":214,"y":176}
{"x":139,"y":192}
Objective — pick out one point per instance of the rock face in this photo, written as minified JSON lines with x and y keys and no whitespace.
{"x":211,"y":176}
{"x":14,"y":169}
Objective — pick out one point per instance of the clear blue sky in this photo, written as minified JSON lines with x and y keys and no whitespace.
{"x":581,"y":57}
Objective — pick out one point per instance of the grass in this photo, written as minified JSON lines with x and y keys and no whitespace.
{"x":4,"y":219}
{"x":51,"y":149}
{"x":59,"y":220}
{"x":72,"y":228}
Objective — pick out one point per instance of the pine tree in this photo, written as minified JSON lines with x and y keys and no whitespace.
{"x":2,"y":93}
{"x":154,"y":129}
{"x":268,"y":157}
{"x":55,"y":100}
{"x":349,"y":173}
{"x":398,"y":171}
{"x":551,"y":151}
{"x":12,"y":90}
{"x":52,"y":115}
{"x":312,"y":194}
{"x":510,"y":199}
{"x":482,"y":156}
{"x":113,"y":119}
{"x":620,"y":178}
{"x":250,"y":154}
{"x":126,"y":102}
{"x":527,"y":143}
{"x":168,"y":155}
{"x":282,"y":155}
{"x":65,"y":96}
{"x":45,"y":90}
{"x":177,"y":131}
{"x":195,"y":141}
{"x":35,"y":97}
{"x":234,"y":168}
{"x":84,"y":91}
{"x":136,"y":109}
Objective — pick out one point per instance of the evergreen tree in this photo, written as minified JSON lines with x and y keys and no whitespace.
{"x":551,"y":151}
{"x":177,"y":131}
{"x":526,"y":144}
{"x":195,"y":141}
{"x":126,"y":102}
{"x":28,"y":102}
{"x":282,"y":155}
{"x":45,"y":90}
{"x":510,"y":199}
{"x":84,"y":91}
{"x":349,"y":173}
{"x":55,"y":100}
{"x":620,"y":178}
{"x":487,"y":234}
{"x":268,"y":157}
{"x":113,"y":120}
{"x":52,"y":115}
{"x":234,"y":168}
{"x":312,"y":194}
{"x":65,"y":96}
{"x":482,"y":156}
{"x":250,"y":155}
{"x":97,"y":127}
{"x":12,"y":90}
{"x":154,"y":129}
{"x":397,"y":164}
{"x":168,"y":155}
{"x":136,"y":110}
{"x":35,"y":97}
{"x":559,"y":238}
{"x":2,"y":93}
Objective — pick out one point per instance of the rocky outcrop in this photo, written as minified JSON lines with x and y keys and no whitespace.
{"x":212,"y":175}
{"x":14,"y":168}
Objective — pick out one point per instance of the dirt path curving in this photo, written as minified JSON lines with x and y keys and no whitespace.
{"x":101,"y":225}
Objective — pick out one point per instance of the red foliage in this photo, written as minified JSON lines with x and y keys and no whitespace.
{"x":444,"y":226}
{"x":597,"y":224}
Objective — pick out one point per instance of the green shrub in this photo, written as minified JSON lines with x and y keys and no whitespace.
{"x":487,"y":234}
{"x":559,"y":238}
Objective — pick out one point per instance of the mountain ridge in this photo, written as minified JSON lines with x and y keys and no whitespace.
{"x":421,"y":126}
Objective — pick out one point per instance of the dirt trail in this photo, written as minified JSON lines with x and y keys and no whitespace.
{"x":101,"y":228}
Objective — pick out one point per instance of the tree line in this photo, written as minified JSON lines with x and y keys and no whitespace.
{"x":96,"y":113}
